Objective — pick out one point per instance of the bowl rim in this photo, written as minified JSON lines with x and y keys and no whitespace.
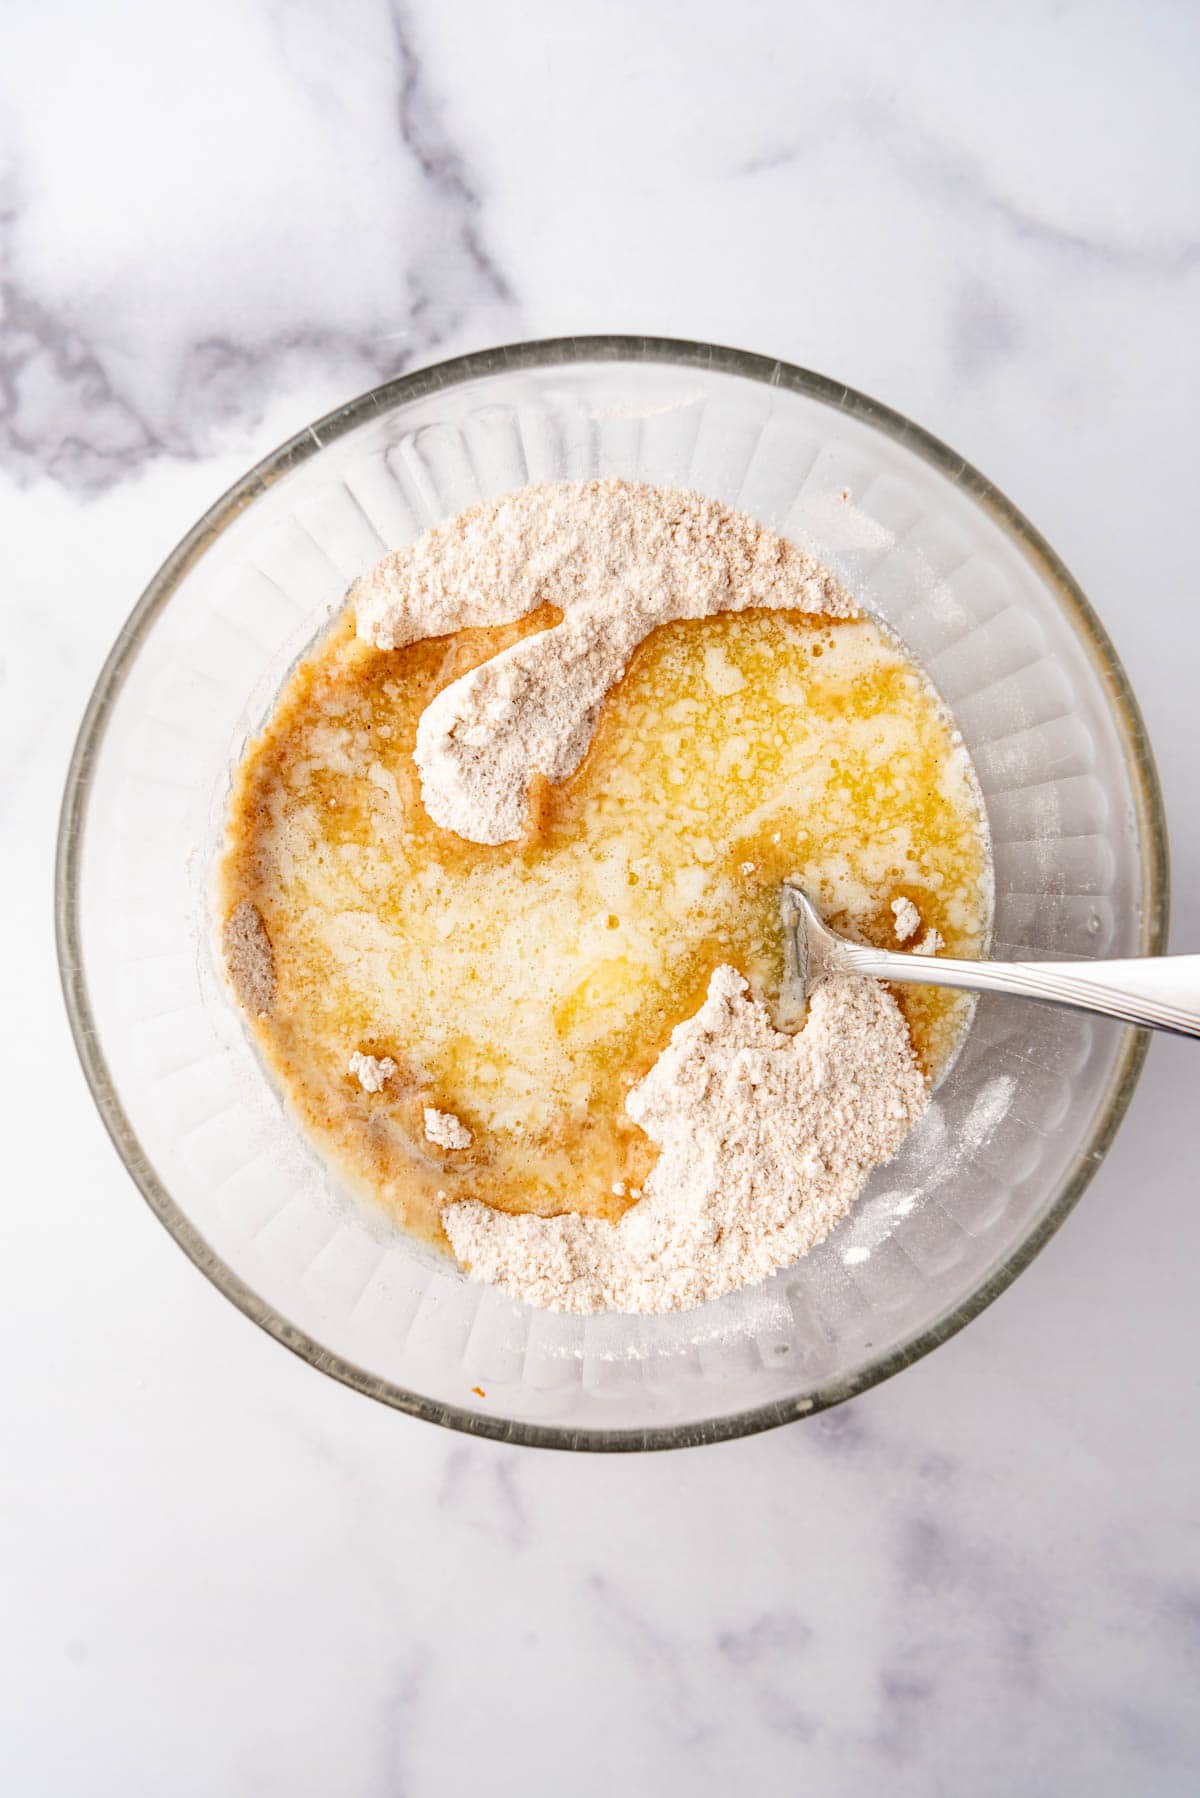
{"x":417,"y":384}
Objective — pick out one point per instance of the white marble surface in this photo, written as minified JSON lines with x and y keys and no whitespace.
{"x":224,"y":1574}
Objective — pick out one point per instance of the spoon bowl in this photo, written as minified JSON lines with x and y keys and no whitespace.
{"x":1158,"y":992}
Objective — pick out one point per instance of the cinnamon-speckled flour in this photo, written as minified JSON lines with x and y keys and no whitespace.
{"x":617,"y":559}
{"x":766,"y":1141}
{"x":248,"y":958}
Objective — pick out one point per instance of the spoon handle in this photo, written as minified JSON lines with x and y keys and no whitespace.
{"x":1161,"y":992}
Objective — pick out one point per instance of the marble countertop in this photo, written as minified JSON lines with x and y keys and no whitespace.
{"x":225,"y":1574}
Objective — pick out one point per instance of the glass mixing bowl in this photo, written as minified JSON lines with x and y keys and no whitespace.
{"x":1016,"y":1129}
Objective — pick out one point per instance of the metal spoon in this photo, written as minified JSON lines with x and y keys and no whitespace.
{"x":1161,"y":992}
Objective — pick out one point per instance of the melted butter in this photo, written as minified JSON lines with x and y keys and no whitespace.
{"x":525,"y":987}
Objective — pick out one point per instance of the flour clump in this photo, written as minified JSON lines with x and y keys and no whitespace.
{"x":371,"y":1071}
{"x":445,"y":1130}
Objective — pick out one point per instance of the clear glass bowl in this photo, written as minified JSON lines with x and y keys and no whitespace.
{"x":1016,"y":1129}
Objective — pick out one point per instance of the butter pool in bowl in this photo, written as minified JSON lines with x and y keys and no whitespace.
{"x":924,"y":544}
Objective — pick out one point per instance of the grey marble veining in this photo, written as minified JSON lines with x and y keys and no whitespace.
{"x":94,"y":384}
{"x":222,"y":1573}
